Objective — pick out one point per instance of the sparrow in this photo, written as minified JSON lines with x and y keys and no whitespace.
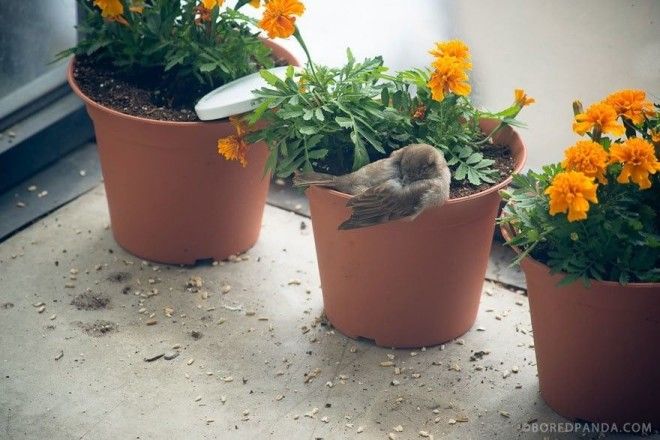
{"x":414,"y":178}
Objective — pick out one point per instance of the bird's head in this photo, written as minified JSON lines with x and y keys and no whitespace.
{"x":419,"y":162}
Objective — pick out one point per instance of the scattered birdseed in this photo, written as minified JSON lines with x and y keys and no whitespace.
{"x":41,"y":309}
{"x":506,"y":374}
{"x":451,"y":421}
{"x":481,"y":329}
{"x":312,"y":375}
{"x":325,"y":419}
{"x":39,"y":304}
{"x":52,"y":317}
{"x":391,"y":436}
{"x":154,"y":357}
{"x":250,"y":313}
{"x":198,"y":398}
{"x":312,"y":414}
{"x":32,"y":188}
{"x":225,"y":289}
{"x":505,"y":414}
{"x":395,"y":383}
{"x":59,"y":355}
{"x":228,"y":379}
{"x":171,"y":355}
{"x":294,"y":282}
{"x":42,"y":194}
{"x":515,"y":369}
{"x":398,"y":428}
{"x":279,"y":397}
{"x":152,"y":322}
{"x":387,"y":364}
{"x":20,"y":205}
{"x":424,"y":434}
{"x":223,"y":399}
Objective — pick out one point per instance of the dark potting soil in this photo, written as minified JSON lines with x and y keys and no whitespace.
{"x":148,"y":96}
{"x":504,"y":163}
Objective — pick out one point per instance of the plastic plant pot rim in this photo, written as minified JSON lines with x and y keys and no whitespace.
{"x":89,"y":101}
{"x":507,"y":233}
{"x":458,"y":200}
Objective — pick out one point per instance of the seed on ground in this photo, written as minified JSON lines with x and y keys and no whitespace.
{"x":398,"y":428}
{"x":190,"y":361}
{"x":152,"y":322}
{"x":59,"y":355}
{"x":360,"y":429}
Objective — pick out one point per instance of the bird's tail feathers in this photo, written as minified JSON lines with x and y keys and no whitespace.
{"x":313,"y":178}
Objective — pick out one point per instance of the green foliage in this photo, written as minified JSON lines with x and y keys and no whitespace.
{"x":339,"y":119}
{"x":329,"y":119}
{"x":169,"y":41}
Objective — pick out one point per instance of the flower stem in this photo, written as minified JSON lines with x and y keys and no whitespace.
{"x":301,"y":41}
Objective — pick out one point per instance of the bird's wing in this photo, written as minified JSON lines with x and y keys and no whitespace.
{"x":385,"y":202}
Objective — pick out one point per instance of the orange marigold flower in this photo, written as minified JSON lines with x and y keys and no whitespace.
{"x":255,"y":3}
{"x":631,"y":104}
{"x":638,"y":159}
{"x":110,"y":9}
{"x":449,"y":76}
{"x":588,"y":157}
{"x":453,"y":48}
{"x":600,"y":116}
{"x":522,"y":99}
{"x":655,"y":136}
{"x":137,"y":7}
{"x":234,"y":147}
{"x":278,"y":19}
{"x":210,"y":4}
{"x":572,"y":191}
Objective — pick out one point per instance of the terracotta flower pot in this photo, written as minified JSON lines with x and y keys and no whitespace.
{"x":597,"y":348}
{"x":171,"y":197}
{"x":407,"y":283}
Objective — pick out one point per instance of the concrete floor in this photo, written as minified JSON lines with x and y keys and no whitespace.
{"x":254,"y":358}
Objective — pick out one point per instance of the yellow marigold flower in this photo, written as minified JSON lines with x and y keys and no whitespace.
{"x":572,"y":191}
{"x":453,"y":48}
{"x":588,"y":157}
{"x":110,"y":9}
{"x":210,"y":4}
{"x":522,"y":99}
{"x":234,"y":147}
{"x":631,"y":104}
{"x":638,"y":159}
{"x":255,"y":3}
{"x":449,"y":76}
{"x":600,"y":116}
{"x":278,"y":19}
